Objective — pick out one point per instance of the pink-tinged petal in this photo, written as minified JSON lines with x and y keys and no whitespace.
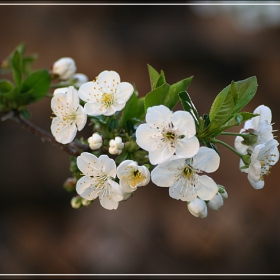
{"x":64,"y":132}
{"x":182,"y":190}
{"x":187,"y":147}
{"x":89,"y":164}
{"x":85,"y":188}
{"x":184,"y":122}
{"x":124,"y":91}
{"x":89,"y":92}
{"x":147,"y":138}
{"x":158,"y":116}
{"x":206,"y":160}
{"x":206,"y":187}
{"x":81,"y":118}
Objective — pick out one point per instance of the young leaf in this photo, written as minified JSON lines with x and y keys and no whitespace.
{"x":172,"y":97}
{"x":189,"y":106}
{"x":36,"y":85}
{"x":156,"y":96}
{"x":17,"y":68}
{"x":5,"y":86}
{"x":130,"y":110}
{"x":156,"y":79}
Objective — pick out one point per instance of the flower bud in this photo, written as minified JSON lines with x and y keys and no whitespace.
{"x":216,"y":202}
{"x":223,"y":192}
{"x":95,"y":141}
{"x":76,"y":202}
{"x":79,"y":79}
{"x":65,"y":68}
{"x":70,"y":184}
{"x":86,"y":202}
{"x":198,"y":208}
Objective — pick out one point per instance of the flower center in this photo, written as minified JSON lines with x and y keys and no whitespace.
{"x":70,"y":116}
{"x":134,"y":178}
{"x":107,"y":99}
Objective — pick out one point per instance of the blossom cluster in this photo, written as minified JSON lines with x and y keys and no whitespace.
{"x":168,"y":143}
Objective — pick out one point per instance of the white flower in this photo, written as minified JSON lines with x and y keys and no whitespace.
{"x":65,"y":68}
{"x":259,"y":125}
{"x":70,"y":115}
{"x":166,"y":134}
{"x":198,"y":208}
{"x":181,"y":176}
{"x":106,"y":95}
{"x":98,"y":180}
{"x":216,"y":202}
{"x":95,"y":141}
{"x":132,"y":176}
{"x":263,"y":157}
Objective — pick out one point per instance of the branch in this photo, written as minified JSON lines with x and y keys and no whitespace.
{"x":73,"y":148}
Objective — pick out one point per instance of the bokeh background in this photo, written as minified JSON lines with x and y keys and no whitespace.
{"x":150,"y":233}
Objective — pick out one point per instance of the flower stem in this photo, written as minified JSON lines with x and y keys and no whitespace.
{"x":73,"y":148}
{"x":234,"y":134}
{"x":226,"y":145}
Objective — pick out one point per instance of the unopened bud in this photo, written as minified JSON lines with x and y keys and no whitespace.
{"x":223,"y":192}
{"x":95,"y":141}
{"x":198,"y":208}
{"x":216,"y":202}
{"x":76,"y":202}
{"x":86,"y":202}
{"x":70,"y":184}
{"x":65,"y":68}
{"x":79,"y":79}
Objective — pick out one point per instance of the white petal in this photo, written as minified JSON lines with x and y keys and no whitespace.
{"x":187,"y":147}
{"x":241,"y":148}
{"x":72,"y":99}
{"x":198,"y":208}
{"x":165,"y":175}
{"x":148,"y":138}
{"x":89,"y":92}
{"x":108,"y":203}
{"x":161,"y":155}
{"x":216,"y":202}
{"x":108,"y":165}
{"x":93,"y":109}
{"x":258,"y":184}
{"x":108,"y":77}
{"x":85,"y":188}
{"x":64,"y":132}
{"x":182,"y":190}
{"x":158,"y":116}
{"x":124,"y":91}
{"x":206,"y":160}
{"x":206,"y":188}
{"x":184,"y":122}
{"x":81,"y":118}
{"x":88,"y":164}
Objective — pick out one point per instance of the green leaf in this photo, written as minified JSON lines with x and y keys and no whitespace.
{"x":237,"y":120}
{"x":17,"y":68}
{"x":156,"y":96}
{"x":36,"y":85}
{"x":156,"y":79}
{"x":189,"y":106}
{"x":5,"y":86}
{"x":246,"y":90}
{"x":130,"y":110}
{"x":172,"y":97}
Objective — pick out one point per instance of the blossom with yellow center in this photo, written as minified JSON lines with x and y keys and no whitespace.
{"x":70,"y":116}
{"x":98,"y":180}
{"x":132,"y":176}
{"x":166,"y":133}
{"x":183,"y":179}
{"x":106,"y":95}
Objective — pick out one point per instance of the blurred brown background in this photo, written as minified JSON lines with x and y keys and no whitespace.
{"x":150,"y":233}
